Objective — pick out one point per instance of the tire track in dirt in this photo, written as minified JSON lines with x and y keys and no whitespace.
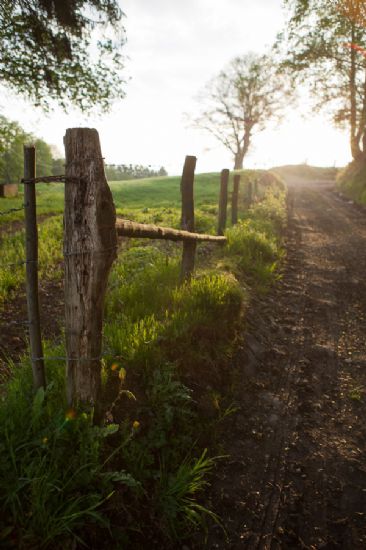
{"x":296,"y":477}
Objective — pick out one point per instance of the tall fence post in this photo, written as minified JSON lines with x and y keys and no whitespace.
{"x":187,"y":221}
{"x":31,"y":247}
{"x":255,"y":191}
{"x":223,"y":201}
{"x":250,"y":193}
{"x":90,"y":247}
{"x":234,"y":200}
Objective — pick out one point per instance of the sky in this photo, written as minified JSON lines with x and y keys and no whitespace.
{"x":173,"y":48}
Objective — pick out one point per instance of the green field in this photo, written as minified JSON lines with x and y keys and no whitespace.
{"x":131,"y":197}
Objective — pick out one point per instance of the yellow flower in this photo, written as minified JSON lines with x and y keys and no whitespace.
{"x":45,"y":440}
{"x":122,"y":374}
{"x":135,"y":425}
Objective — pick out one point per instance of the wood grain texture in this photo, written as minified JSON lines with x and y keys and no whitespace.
{"x":31,"y":248}
{"x":187,"y":221}
{"x":235,"y":200}
{"x":127,"y":228}
{"x":90,"y":247}
{"x":224,"y":182}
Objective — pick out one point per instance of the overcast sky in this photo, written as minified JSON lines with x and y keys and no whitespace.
{"x":173,"y":48}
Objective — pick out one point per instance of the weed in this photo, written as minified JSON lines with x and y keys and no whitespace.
{"x":356,"y":393}
{"x":178,"y":495}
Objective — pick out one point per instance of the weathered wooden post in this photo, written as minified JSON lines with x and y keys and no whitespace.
{"x":31,"y":248}
{"x":250,"y":193}
{"x":187,"y":220}
{"x":234,"y":200}
{"x":255,"y":191}
{"x":90,"y":247}
{"x":223,"y":201}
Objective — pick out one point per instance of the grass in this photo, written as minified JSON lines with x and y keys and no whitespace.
{"x":306,"y":172}
{"x":351,"y":181}
{"x":50,"y":200}
{"x":13,"y":253}
{"x":167,"y":365}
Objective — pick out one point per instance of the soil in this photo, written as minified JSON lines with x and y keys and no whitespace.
{"x":9,"y":228}
{"x":14,"y":324}
{"x":296,"y":473}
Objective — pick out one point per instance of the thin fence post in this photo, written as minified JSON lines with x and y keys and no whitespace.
{"x":255,"y":191}
{"x":187,"y":220}
{"x":250,"y":193}
{"x":31,"y":247}
{"x":223,"y":201}
{"x":234,"y":200}
{"x":90,"y":247}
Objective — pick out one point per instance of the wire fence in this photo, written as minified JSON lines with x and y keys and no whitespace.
{"x":62,"y":257}
{"x":11,"y":210}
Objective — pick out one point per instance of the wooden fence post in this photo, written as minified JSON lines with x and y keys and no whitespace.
{"x":187,"y":220}
{"x":31,"y":247}
{"x":255,"y":191}
{"x":90,"y":247}
{"x":234,"y":200}
{"x":250,"y":193}
{"x":223,"y":201}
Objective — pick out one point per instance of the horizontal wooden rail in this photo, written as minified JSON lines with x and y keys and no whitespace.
{"x":127,"y":228}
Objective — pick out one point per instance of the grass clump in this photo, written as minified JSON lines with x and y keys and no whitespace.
{"x":254,"y":245}
{"x":351,"y":181}
{"x":55,"y":474}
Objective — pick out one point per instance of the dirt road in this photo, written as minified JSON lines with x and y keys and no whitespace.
{"x":296,"y":477}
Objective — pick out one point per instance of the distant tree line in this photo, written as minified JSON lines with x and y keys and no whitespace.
{"x":118,"y":172}
{"x":12,"y":140}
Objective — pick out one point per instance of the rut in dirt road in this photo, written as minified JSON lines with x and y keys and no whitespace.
{"x":296,"y":477}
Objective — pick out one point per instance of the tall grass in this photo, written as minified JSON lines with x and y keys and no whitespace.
{"x":13,"y":252}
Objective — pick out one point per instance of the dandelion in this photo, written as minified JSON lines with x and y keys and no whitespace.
{"x":45,"y":440}
{"x":135,"y":425}
{"x":122,"y":374}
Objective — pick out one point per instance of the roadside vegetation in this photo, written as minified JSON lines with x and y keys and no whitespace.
{"x":306,"y":172}
{"x":351,"y":181}
{"x":167,"y":380}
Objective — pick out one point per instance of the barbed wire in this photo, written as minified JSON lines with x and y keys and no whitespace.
{"x":18,"y":322}
{"x":22,"y":262}
{"x":57,"y":179}
{"x":11,"y":210}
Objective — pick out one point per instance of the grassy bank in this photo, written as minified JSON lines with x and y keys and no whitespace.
{"x":351,"y":181}
{"x":305,"y":172}
{"x":167,"y":373}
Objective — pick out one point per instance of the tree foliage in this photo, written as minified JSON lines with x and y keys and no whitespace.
{"x":12,"y":140}
{"x":120,"y":172}
{"x":325,"y":47}
{"x":67,"y":51}
{"x":240,"y":101}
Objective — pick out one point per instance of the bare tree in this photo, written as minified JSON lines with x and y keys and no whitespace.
{"x":241,"y":100}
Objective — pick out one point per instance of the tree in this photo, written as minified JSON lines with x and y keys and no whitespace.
{"x":325,"y":47}
{"x":12,"y":140}
{"x":44,"y":159}
{"x":120,"y":172}
{"x":67,"y":51}
{"x":240,"y":101}
{"x":12,"y":137}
